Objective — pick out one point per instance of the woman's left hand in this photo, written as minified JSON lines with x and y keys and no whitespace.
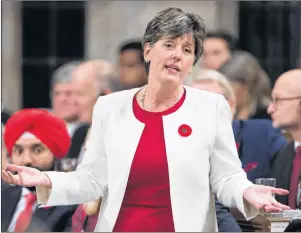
{"x":261,"y":198}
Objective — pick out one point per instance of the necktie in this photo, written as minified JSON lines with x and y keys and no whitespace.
{"x":25,"y":216}
{"x":78,"y":219}
{"x":295,"y":179}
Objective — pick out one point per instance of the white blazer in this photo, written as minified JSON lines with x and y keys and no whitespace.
{"x":202,"y":163}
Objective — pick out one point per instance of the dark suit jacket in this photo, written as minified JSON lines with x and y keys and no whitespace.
{"x":258,"y":142}
{"x":78,"y":139}
{"x":225,"y":221}
{"x":282,"y":166}
{"x":53,"y":219}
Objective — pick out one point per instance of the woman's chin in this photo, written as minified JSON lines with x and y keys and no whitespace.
{"x":171,"y":79}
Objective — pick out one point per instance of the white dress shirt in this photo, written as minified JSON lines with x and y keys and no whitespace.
{"x":72,"y":126}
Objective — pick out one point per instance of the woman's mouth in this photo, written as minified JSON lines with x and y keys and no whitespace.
{"x":171,"y":69}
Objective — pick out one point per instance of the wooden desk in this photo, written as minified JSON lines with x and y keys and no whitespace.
{"x":261,"y":223}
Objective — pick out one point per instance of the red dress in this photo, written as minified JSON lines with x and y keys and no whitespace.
{"x":146,"y":205}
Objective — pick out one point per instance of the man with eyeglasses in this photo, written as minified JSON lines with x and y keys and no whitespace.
{"x":285,"y":111}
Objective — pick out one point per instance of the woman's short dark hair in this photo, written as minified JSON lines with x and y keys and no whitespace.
{"x":173,"y":23}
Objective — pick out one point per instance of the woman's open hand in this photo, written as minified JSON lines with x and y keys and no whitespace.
{"x":26,"y":176}
{"x":261,"y":198}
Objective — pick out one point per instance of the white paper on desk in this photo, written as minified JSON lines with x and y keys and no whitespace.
{"x":278,"y":226}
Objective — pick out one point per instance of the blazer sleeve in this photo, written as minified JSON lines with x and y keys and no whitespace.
{"x":227,"y":178}
{"x":89,"y":181}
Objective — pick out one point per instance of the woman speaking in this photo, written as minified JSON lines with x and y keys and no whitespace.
{"x":157,"y":154}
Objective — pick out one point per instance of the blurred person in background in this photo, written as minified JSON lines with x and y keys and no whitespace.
{"x":90,"y":80}
{"x":4,"y":159}
{"x":131,"y":65}
{"x":251,"y":85}
{"x":62,"y":95}
{"x":218,"y":46}
{"x":257,"y":140}
{"x":285,"y":110}
{"x":33,"y":138}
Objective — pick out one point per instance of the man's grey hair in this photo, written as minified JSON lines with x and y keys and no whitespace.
{"x":63,"y":74}
{"x":107,"y":80}
{"x":106,"y":75}
{"x":213,"y":75}
{"x":173,"y":23}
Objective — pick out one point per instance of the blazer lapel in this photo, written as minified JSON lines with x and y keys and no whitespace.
{"x":10,"y":198}
{"x":126,"y":128}
{"x":181,"y":151}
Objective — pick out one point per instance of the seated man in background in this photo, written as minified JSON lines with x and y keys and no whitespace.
{"x":63,"y":103}
{"x":91,"y":79}
{"x":33,"y":138}
{"x":257,"y":140}
{"x":286,"y":115}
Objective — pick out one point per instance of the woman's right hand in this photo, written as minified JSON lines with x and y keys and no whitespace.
{"x":26,"y":176}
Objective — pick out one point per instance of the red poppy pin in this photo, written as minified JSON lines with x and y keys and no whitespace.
{"x":185,"y":130}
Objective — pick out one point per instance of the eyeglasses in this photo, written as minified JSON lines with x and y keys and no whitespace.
{"x":277,"y":100}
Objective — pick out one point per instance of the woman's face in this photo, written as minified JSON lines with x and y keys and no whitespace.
{"x":171,"y":60}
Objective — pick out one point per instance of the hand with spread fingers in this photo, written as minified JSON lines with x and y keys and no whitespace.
{"x":26,"y":176}
{"x":261,"y":198}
